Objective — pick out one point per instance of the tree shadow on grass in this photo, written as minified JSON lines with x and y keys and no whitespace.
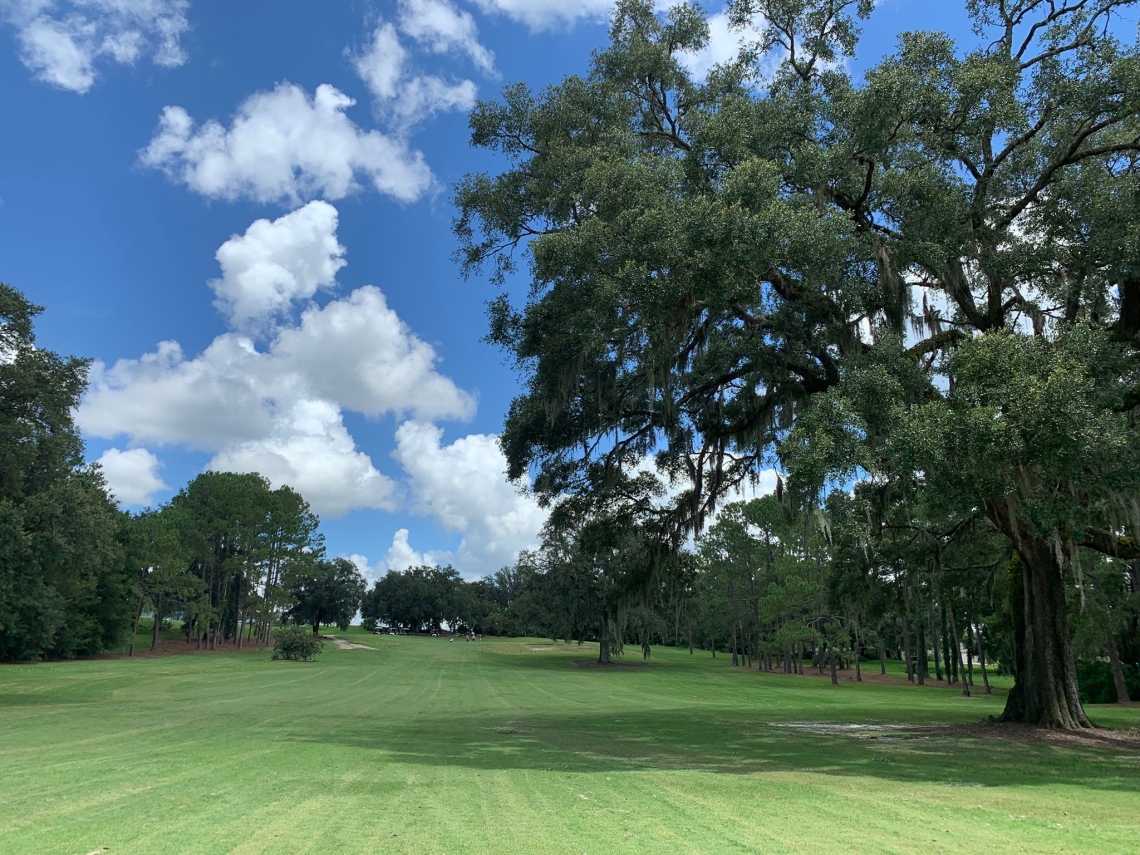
{"x":729,"y":742}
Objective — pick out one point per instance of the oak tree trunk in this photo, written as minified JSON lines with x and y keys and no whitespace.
{"x":1045,"y":689}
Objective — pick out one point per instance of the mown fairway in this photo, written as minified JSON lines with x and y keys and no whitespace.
{"x":424,"y":746}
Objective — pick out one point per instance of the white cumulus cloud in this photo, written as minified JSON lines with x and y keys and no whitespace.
{"x":310,"y":449}
{"x":132,"y":475}
{"x":443,"y":28}
{"x":278,"y":409}
{"x":359,"y":352}
{"x":406,"y":99}
{"x":275,"y":263}
{"x":547,"y":14}
{"x":400,"y":556}
{"x":285,"y":146}
{"x":61,"y":41}
{"x":724,"y":46}
{"x":464,"y":486}
{"x":382,"y":63}
{"x":355,"y":351}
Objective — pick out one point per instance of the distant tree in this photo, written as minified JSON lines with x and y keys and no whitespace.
{"x":162,"y":578}
{"x":423,"y":597}
{"x":290,"y":529}
{"x":324,"y":592}
{"x":64,"y":582}
{"x":239,"y":536}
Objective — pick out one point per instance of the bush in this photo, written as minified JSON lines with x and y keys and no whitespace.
{"x":296,"y":644}
{"x":1094,"y":677}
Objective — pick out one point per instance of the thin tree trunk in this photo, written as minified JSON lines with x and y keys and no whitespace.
{"x":604,"y":640}
{"x":157,"y":623}
{"x":690,"y":637}
{"x":946,"y":643}
{"x":969,"y":651}
{"x":952,"y":642}
{"x":920,"y":652}
{"x":735,"y":661}
{"x":958,"y":652}
{"x":982,"y":662}
{"x":934,"y":643}
{"x":906,"y":650}
{"x":135,"y":628}
{"x":834,"y":676}
{"x":1117,"y":671}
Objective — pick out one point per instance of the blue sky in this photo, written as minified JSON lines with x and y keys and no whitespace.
{"x":323,"y":334}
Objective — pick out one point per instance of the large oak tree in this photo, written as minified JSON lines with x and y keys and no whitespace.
{"x":937,"y":264}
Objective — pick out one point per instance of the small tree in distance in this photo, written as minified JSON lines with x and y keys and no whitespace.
{"x":326,"y":592}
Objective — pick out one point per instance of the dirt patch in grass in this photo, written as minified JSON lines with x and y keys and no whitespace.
{"x":346,"y":645}
{"x":990,"y":729}
{"x":873,"y":678}
{"x":180,"y":648}
{"x":594,"y":663}
{"x":1124,"y":740}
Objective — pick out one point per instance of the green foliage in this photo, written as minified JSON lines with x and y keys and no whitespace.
{"x":64,"y":587}
{"x":1097,"y":685}
{"x":419,"y":598}
{"x":324,"y":591}
{"x":926,"y":278}
{"x":75,"y":573}
{"x":296,"y":644}
{"x":240,"y":539}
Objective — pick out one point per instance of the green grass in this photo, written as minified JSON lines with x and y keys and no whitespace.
{"x":426,"y":746}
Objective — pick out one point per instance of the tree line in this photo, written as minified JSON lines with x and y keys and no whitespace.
{"x":229,"y":556}
{"x":770,"y":589}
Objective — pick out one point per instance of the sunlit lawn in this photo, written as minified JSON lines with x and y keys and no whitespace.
{"x":430,"y":746}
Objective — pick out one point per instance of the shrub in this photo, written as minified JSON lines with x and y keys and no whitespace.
{"x":296,"y":643}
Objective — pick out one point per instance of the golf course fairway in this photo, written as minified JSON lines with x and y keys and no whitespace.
{"x":422,"y":745}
